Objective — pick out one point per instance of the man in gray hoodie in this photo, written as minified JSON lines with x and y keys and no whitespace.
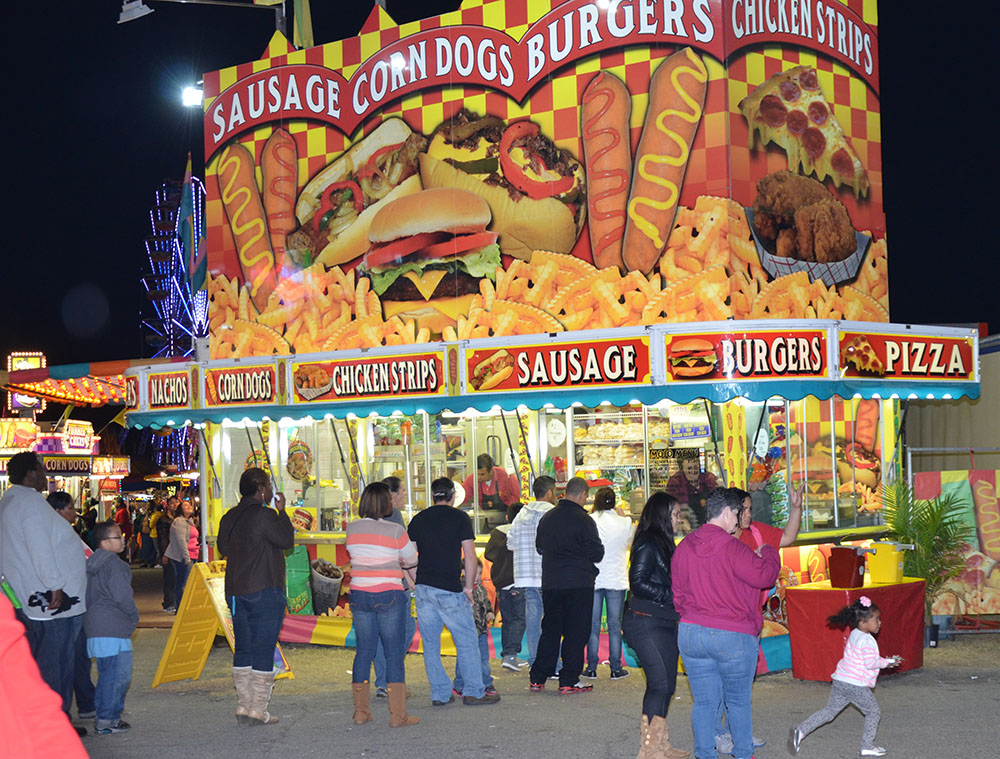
{"x":110,"y":620}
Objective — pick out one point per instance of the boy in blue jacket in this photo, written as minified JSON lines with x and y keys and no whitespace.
{"x":109,"y":622}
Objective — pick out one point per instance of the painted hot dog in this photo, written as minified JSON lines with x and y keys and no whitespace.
{"x":676,"y":105}
{"x":238,"y":190}
{"x":987,"y":512}
{"x":604,"y":119}
{"x":492,"y":371}
{"x":279,"y":184}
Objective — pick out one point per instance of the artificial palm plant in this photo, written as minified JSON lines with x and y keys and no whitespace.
{"x":936,"y":530}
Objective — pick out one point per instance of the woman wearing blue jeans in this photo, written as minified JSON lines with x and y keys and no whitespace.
{"x":651,"y":621}
{"x":380,"y":552}
{"x":716,"y":586}
{"x":615,"y":530}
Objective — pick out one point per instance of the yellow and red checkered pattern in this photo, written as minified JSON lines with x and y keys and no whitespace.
{"x":721,"y":162}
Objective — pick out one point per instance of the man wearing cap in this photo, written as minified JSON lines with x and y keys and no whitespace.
{"x":445,"y":542}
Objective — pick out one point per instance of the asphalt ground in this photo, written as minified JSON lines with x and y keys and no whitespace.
{"x":949,"y":708}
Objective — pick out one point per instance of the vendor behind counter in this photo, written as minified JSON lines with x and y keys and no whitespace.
{"x":497,"y":489}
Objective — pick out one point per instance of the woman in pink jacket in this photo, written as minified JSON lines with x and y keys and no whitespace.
{"x":716,"y":583}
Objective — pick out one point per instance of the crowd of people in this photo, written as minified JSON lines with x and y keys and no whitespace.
{"x":67,"y":581}
{"x":558,"y":572}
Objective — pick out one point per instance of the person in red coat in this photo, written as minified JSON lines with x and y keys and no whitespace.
{"x":32,"y":722}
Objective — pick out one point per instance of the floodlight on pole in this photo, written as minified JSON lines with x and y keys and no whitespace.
{"x":191,"y":96}
{"x":133,"y":9}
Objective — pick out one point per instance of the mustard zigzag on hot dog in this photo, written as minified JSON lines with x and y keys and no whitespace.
{"x":645,"y":234}
{"x":246,"y":218}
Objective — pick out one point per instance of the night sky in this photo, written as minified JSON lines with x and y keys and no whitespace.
{"x":97,"y":124}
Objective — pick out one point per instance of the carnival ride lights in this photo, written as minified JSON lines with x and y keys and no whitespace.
{"x":178,"y":315}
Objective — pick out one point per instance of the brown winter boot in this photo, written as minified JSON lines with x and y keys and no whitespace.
{"x":261,"y":685}
{"x":397,"y":707}
{"x":659,"y":724}
{"x":362,"y":713}
{"x":244,"y":694}
{"x":644,"y":752}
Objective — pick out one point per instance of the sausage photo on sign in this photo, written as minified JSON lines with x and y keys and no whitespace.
{"x":536,"y":190}
{"x":676,"y":105}
{"x":279,"y":183}
{"x":337,"y":206}
{"x":492,"y":371}
{"x":245,"y":211}
{"x":604,"y":117}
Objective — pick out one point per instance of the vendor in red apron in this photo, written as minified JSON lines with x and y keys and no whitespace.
{"x":497,"y":489}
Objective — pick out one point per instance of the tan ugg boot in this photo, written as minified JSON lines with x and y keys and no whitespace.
{"x":644,"y":752}
{"x":244,"y":694}
{"x":397,"y":707}
{"x":261,"y":683}
{"x":666,"y":750}
{"x":362,"y":712}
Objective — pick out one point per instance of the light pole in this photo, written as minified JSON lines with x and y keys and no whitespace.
{"x":133,"y":9}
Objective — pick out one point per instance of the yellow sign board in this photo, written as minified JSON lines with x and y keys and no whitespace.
{"x":201,"y":615}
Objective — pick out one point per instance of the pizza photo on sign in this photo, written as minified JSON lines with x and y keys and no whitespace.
{"x":860,"y":353}
{"x":789,"y":109}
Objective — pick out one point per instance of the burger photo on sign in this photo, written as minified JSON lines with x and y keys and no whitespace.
{"x":692,"y":357}
{"x":429,"y":252}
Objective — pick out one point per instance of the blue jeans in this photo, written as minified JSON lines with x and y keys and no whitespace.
{"x":484,"y":657}
{"x":379,"y":618}
{"x":720,"y":666}
{"x":615,"y":600}
{"x":181,"y":572}
{"x":83,"y":687}
{"x":114,"y":674}
{"x":257,"y":620}
{"x":408,"y":633}
{"x":53,"y":646}
{"x":532,"y":619}
{"x":435,"y":609}
{"x":512,"y":605}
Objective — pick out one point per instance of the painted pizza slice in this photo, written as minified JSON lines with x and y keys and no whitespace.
{"x":790,"y":110}
{"x":860,"y":353}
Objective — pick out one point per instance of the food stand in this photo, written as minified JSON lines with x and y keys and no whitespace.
{"x":582,"y":237}
{"x":413,"y":411}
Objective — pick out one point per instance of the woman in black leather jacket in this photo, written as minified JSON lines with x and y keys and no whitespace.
{"x":650,"y":623}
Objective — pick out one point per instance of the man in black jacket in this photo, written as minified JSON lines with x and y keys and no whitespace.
{"x":570,"y":546}
{"x":253,"y":539}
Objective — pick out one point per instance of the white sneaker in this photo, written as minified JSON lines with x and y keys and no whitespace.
{"x":724,"y":744}
{"x":521,"y":663}
{"x":874,"y":751}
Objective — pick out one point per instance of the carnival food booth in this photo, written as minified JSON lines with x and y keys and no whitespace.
{"x":581,"y":237}
{"x":781,"y":407}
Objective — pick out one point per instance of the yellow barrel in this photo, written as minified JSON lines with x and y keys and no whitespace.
{"x":886,"y":564}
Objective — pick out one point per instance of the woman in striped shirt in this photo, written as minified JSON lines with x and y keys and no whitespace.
{"x":380,"y":552}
